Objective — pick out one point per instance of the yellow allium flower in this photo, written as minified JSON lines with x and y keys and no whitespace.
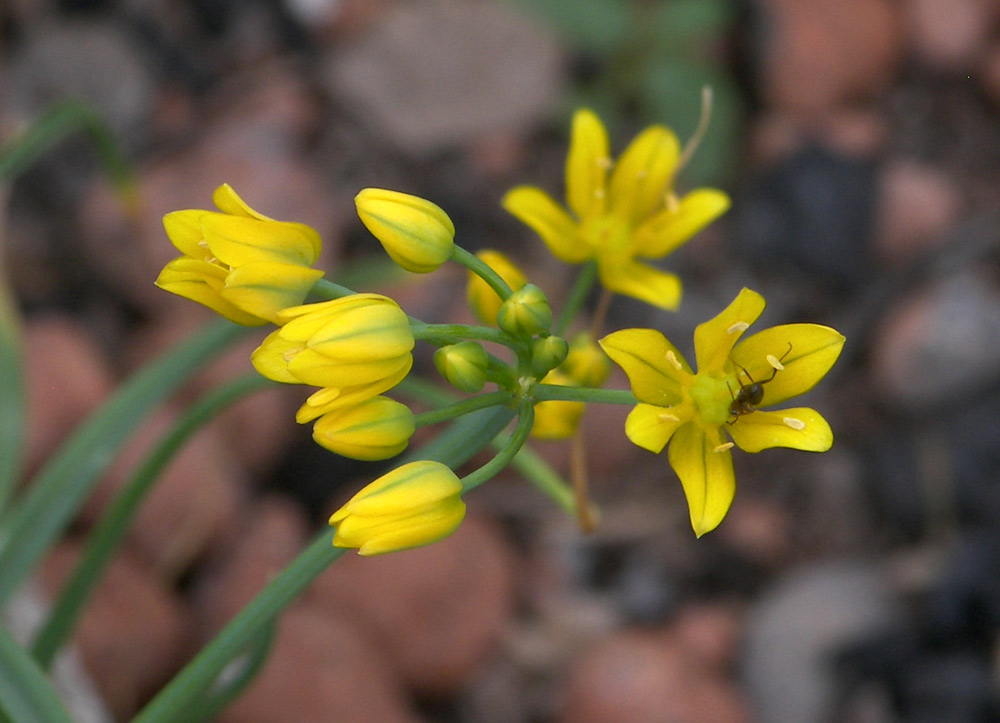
{"x":483,"y":300}
{"x":240,"y":263}
{"x":359,"y":344}
{"x":377,"y":428}
{"x":417,"y":234}
{"x":413,"y":505}
{"x":696,"y":411}
{"x":620,"y":212}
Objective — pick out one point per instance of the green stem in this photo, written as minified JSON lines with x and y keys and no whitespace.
{"x":59,"y":488}
{"x":526,"y":418}
{"x":12,"y":399}
{"x":482,"y":270}
{"x":250,"y":663}
{"x":542,"y":476}
{"x":202,"y":671}
{"x":106,"y":537}
{"x":441,"y":334}
{"x":550,"y":392}
{"x":465,"y":406}
{"x":577,"y":296}
{"x":330,"y":290}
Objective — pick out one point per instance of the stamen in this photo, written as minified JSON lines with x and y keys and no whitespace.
{"x":641,"y":174}
{"x":668,"y":417}
{"x":599,"y":193}
{"x":738,"y":327}
{"x":672,"y":358}
{"x":673,"y":203}
{"x":606,"y":163}
{"x":775,"y":362}
{"x":723,"y":447}
{"x":796,"y":424}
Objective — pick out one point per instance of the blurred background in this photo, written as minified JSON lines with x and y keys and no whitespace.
{"x":860,"y":142}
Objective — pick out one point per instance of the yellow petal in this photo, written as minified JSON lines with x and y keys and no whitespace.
{"x":203,"y":282}
{"x":330,"y":398}
{"x":184,"y":231}
{"x":538,"y":210}
{"x":375,"y":429}
{"x":814,"y":349}
{"x":640,"y":281}
{"x":651,"y":427}
{"x":714,"y":339}
{"x":373,"y":332}
{"x":672,"y":227}
{"x":416,"y":233}
{"x":317,"y":370}
{"x":237,"y":241}
{"x":799,"y":428}
{"x":654,"y":367}
{"x":411,"y":486}
{"x":264,"y":289}
{"x":587,"y":165}
{"x":641,"y":175}
{"x":270,"y":359}
{"x":229,"y":202}
{"x":706,"y":473}
{"x":379,"y":536}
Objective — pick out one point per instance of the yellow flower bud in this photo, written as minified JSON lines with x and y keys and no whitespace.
{"x":463,"y":365}
{"x":358,"y":340}
{"x":526,"y":312}
{"x":547,"y":353}
{"x":413,"y":505}
{"x":557,"y":419}
{"x":417,"y":234}
{"x":483,"y":300}
{"x":240,"y":263}
{"x":585,"y":363}
{"x":377,"y":428}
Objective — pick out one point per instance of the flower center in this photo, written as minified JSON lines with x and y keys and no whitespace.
{"x":711,"y":398}
{"x":607,"y":233}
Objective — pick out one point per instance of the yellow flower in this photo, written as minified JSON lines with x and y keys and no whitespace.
{"x":416,"y":504}
{"x":631,"y":215}
{"x":417,"y":234}
{"x":694,"y":411}
{"x":483,"y":300}
{"x":239,"y":263}
{"x":357,"y":346}
{"x":377,"y":428}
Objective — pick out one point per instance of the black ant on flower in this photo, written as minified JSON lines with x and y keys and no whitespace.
{"x":750,"y":395}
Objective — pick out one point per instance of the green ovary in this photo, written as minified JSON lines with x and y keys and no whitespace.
{"x":712,"y":398}
{"x":609,"y":234}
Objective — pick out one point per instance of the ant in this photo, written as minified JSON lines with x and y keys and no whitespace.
{"x":750,"y":395}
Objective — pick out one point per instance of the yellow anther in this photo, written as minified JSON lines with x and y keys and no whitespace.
{"x":673,"y":203}
{"x":738,"y":327}
{"x":775,"y":362}
{"x":723,"y":447}
{"x":668,"y":417}
{"x":606,"y":163}
{"x":796,"y":424}
{"x":672,"y":358}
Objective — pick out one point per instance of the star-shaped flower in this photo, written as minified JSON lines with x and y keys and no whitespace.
{"x":621,"y":212}
{"x":696,"y":411}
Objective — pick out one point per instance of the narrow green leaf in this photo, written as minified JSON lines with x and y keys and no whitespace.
{"x":12,"y":400}
{"x":108,"y":534}
{"x":26,"y":696}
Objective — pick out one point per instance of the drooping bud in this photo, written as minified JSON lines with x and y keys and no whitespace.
{"x":417,"y":234}
{"x":547,"y":353}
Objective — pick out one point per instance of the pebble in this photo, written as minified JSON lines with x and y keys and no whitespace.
{"x":949,"y":34}
{"x":436,"y":612}
{"x":442,"y":74}
{"x":917,"y":204}
{"x":644,"y":676}
{"x":271,"y":533}
{"x":134,"y":632}
{"x":321,"y":668}
{"x":195,"y":501}
{"x":799,"y":622}
{"x":67,"y":378}
{"x":822,"y":54}
{"x":938,"y":343}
